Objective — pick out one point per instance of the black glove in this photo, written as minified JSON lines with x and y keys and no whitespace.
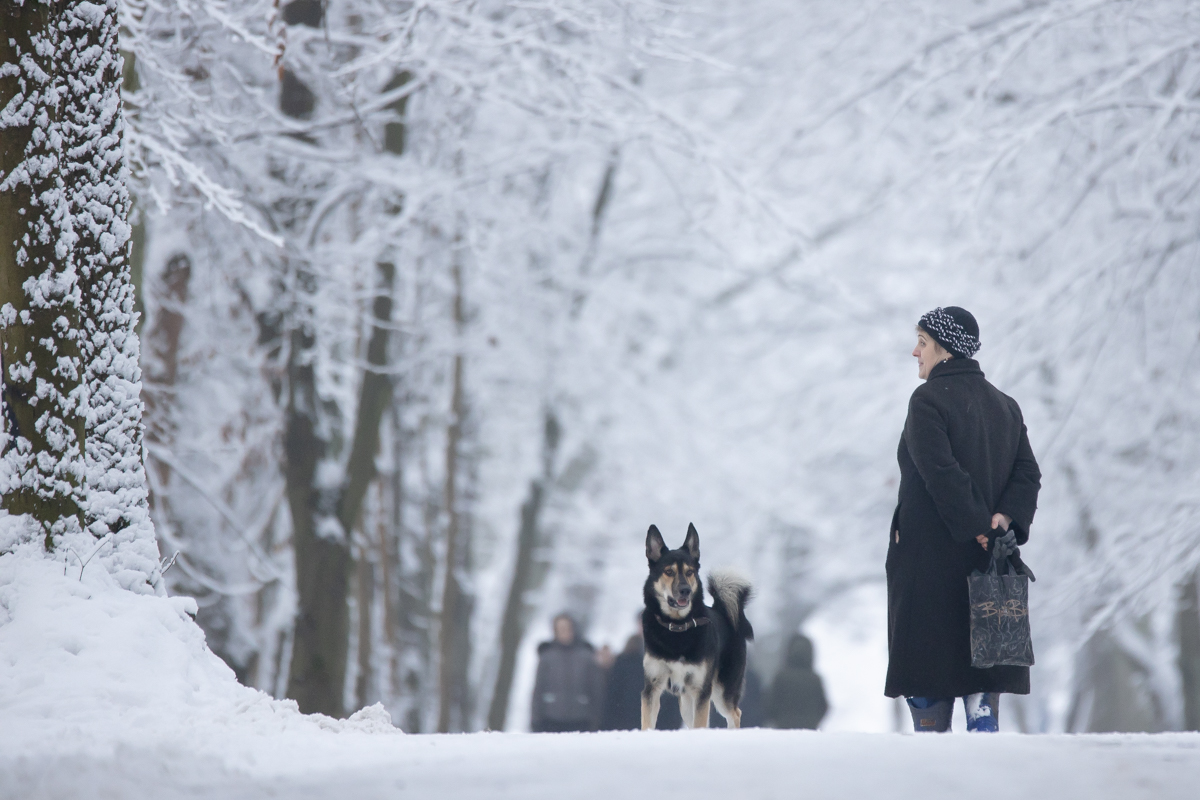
{"x":1022,"y":567}
{"x":1004,"y":546}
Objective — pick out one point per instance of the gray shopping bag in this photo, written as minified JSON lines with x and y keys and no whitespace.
{"x":999,"y":600}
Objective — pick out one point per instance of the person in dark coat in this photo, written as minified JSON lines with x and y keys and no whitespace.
{"x":623,"y":697}
{"x":797,"y":698}
{"x":751,"y":704}
{"x":967,"y":477}
{"x":569,"y":689}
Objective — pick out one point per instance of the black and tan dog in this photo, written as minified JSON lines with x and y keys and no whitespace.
{"x":692,"y":650}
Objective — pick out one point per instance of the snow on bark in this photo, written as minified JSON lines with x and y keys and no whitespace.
{"x":73,"y":442}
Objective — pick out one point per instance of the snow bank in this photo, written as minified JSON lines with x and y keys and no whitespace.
{"x":79,"y":653}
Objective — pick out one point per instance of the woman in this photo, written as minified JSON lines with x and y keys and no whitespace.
{"x":967,"y":478}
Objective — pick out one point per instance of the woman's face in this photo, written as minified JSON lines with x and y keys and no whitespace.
{"x":928,"y":354}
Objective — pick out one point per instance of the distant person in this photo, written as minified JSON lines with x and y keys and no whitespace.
{"x":605,"y":658}
{"x":568,"y":693}
{"x":968,"y":483}
{"x":753,"y":713}
{"x":623,"y":698}
{"x":797,"y":698}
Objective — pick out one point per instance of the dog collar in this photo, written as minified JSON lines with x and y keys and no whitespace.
{"x":680,"y":627}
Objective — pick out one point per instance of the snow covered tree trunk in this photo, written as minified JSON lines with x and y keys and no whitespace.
{"x":454,"y":629}
{"x":162,"y":371}
{"x":375,"y":394}
{"x":364,"y":579}
{"x":410,"y":578}
{"x":317,"y":677}
{"x":73,"y":438}
{"x":324,"y":561}
{"x":42,"y":468}
{"x":1188,"y":622}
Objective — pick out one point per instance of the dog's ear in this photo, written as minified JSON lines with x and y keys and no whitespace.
{"x":655,"y":546}
{"x":692,"y":542}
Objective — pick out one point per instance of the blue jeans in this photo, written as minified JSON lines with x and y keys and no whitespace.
{"x":933,"y":714}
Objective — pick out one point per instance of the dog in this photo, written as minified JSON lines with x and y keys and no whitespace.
{"x":692,"y":650}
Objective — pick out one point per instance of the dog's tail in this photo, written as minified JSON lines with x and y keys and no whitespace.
{"x":731,"y":591}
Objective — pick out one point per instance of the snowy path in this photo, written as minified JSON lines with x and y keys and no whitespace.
{"x":742,"y":764}
{"x":108,"y":694}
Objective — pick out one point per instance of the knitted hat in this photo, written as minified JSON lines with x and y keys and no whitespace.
{"x":953,"y":328}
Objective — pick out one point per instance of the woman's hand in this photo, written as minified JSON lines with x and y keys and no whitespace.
{"x":998,"y":521}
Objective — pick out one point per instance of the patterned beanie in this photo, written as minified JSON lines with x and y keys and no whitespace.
{"x":953,"y":328}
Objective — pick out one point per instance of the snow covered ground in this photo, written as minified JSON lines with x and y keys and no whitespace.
{"x":710,"y":763}
{"x":235,"y":760}
{"x":108,"y":694}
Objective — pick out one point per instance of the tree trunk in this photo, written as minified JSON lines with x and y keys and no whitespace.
{"x":364,"y":685}
{"x":525,"y":577}
{"x":73,"y":441}
{"x":389,"y":530}
{"x":1188,"y":621}
{"x":323,"y":561}
{"x":387,"y":563}
{"x":161,"y":369}
{"x":415,"y":570}
{"x":453,"y":631}
{"x":137,"y":239}
{"x":317,"y":677}
{"x":375,"y":394}
{"x":45,"y":423}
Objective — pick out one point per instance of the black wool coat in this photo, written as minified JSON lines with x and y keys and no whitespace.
{"x":964,"y":456}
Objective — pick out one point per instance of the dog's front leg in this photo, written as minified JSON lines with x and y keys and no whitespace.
{"x":687,"y":707}
{"x":703,"y":702}
{"x":650,"y":697}
{"x":656,"y":680}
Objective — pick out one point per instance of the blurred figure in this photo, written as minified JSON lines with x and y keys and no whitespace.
{"x":797,"y":698}
{"x":753,"y":714}
{"x":605,"y":658}
{"x":623,"y":699}
{"x":569,"y":691}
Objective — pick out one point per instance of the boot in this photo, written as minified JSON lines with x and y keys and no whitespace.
{"x":983,"y":712}
{"x":931,"y":715}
